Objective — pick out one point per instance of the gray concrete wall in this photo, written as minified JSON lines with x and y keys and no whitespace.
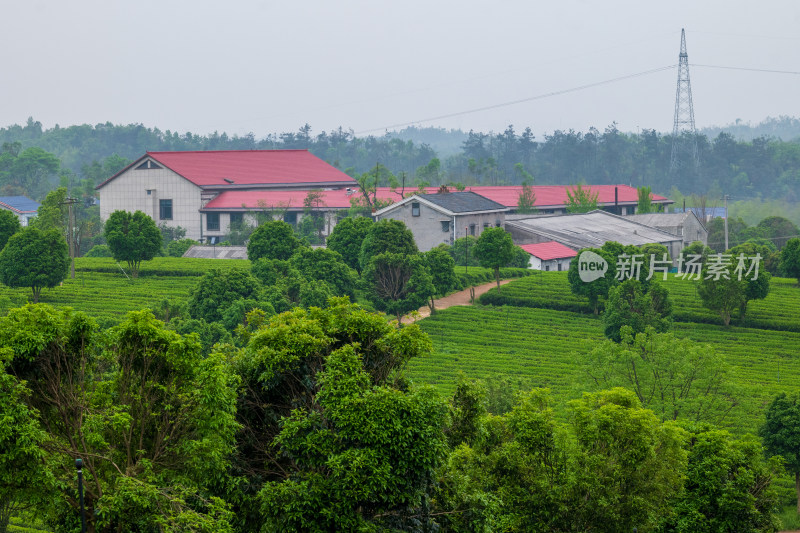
{"x":427,"y":227}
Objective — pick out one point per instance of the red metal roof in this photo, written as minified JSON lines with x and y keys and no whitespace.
{"x":549,"y":250}
{"x":232,"y":168}
{"x":508,"y":195}
{"x":556,"y":195}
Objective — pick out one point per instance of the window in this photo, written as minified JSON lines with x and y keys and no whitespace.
{"x":414,"y":209}
{"x":547,"y":268}
{"x":472,"y":229}
{"x":290,"y":217}
{"x":237,"y":219}
{"x":559,"y":267}
{"x":445,"y":226}
{"x":485,"y":225}
{"x":497,"y":223}
{"x":212,"y":221}
{"x":165,"y":209}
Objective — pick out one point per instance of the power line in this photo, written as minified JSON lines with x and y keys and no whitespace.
{"x":749,"y":69}
{"x":522,"y":100}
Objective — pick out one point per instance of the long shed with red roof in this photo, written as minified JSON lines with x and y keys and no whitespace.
{"x":174,"y":187}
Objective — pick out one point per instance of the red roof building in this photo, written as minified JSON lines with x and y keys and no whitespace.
{"x":203,"y":192}
{"x":174,"y":187}
{"x":549,"y":255}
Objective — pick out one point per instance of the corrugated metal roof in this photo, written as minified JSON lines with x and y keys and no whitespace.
{"x":549,"y":250}
{"x":20,"y":204}
{"x":592,"y":230}
{"x":660,"y":219}
{"x":234,"y":168}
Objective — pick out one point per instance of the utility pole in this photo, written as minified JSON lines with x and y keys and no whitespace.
{"x":69,"y":201}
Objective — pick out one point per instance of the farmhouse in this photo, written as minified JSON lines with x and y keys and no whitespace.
{"x":22,"y":206}
{"x":549,"y":255}
{"x":590,"y":230}
{"x":174,"y":187}
{"x":440,"y":218}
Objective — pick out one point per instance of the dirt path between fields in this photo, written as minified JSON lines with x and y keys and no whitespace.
{"x":457,"y":298}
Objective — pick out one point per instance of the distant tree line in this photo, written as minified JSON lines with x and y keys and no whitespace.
{"x":764,"y":167}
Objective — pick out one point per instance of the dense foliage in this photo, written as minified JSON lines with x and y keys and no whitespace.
{"x":34,"y":258}
{"x":133,"y":238}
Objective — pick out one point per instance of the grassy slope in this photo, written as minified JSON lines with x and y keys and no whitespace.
{"x":545,"y":346}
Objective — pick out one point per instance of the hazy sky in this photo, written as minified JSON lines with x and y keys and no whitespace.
{"x":244,"y":66}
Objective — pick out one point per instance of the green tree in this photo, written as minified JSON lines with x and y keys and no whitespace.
{"x":581,"y":200}
{"x":386,"y":236}
{"x":463,"y":251}
{"x":133,"y":238}
{"x":494,"y":249}
{"x":442,"y":268}
{"x":217,"y":290}
{"x":645,"y":204}
{"x":23,"y":477}
{"x":326,"y":265}
{"x":728,"y":486}
{"x":274,"y":239}
{"x":628,"y":465}
{"x":596,"y":289}
{"x":152,"y":419}
{"x":9,"y":225}
{"x":790,"y":258}
{"x":778,"y":230}
{"x":346,"y":238}
{"x":723,"y":295}
{"x":179,"y":247}
{"x":285,"y":399}
{"x":397,"y":283}
{"x":53,"y":213}
{"x":675,"y":378}
{"x":34,"y":258}
{"x":629,"y":304}
{"x":526,"y":202}
{"x":781,"y":434}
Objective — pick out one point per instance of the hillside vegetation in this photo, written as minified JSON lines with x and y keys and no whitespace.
{"x":544,"y":334}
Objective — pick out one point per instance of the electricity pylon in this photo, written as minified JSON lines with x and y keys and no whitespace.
{"x":684,"y":136}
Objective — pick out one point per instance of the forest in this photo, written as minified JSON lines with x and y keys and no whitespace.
{"x":763,"y":167}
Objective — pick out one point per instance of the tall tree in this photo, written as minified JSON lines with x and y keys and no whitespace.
{"x":494,"y":249}
{"x":133,"y":238}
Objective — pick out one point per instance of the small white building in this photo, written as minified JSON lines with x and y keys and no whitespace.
{"x":549,"y":256}
{"x":22,"y":206}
